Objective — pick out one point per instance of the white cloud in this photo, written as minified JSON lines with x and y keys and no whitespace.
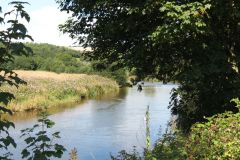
{"x":43,"y":26}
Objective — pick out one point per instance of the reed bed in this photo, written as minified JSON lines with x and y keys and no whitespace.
{"x":47,"y":89}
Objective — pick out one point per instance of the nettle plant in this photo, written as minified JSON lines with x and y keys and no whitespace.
{"x":39,"y":143}
{"x":12,"y":30}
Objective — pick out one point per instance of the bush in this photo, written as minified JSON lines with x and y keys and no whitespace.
{"x":120,"y":76}
{"x":170,"y":146}
{"x":219,"y":138}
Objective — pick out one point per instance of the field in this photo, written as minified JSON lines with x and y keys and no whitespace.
{"x":47,"y":89}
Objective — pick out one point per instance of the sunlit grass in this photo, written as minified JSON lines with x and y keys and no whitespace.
{"x":47,"y":89}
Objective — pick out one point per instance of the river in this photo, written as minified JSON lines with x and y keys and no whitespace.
{"x":105,"y":125}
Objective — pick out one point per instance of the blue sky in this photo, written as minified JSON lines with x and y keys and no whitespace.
{"x":34,"y":4}
{"x":45,"y":18}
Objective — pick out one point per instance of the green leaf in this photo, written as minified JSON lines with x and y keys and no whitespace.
{"x":25,"y":153}
{"x":5,"y":110}
{"x":29,"y":140}
{"x":6,"y":97}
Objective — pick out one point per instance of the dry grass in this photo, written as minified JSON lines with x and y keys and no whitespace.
{"x":47,"y":89}
{"x":30,"y":75}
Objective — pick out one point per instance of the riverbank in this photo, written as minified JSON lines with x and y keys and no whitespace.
{"x":47,"y":89}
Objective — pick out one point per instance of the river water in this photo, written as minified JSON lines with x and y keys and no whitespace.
{"x":105,"y":125}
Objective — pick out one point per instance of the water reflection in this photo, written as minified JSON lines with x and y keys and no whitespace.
{"x":108,"y":124}
{"x":30,"y":115}
{"x":149,"y":91}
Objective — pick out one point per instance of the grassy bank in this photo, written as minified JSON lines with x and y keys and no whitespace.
{"x":52,"y":89}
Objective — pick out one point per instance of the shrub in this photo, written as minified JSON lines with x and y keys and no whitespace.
{"x":219,"y":138}
{"x":170,"y":146}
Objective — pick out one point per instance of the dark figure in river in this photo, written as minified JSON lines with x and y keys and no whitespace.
{"x":139,"y":87}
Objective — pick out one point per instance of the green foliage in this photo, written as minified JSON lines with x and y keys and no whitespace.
{"x":12,"y":31}
{"x":171,"y":146}
{"x":39,"y":144}
{"x":194,"y":43}
{"x":5,"y":139}
{"x":218,"y":138}
{"x":121,"y":76}
{"x":109,"y":70}
{"x":51,"y":58}
{"x":123,"y":155}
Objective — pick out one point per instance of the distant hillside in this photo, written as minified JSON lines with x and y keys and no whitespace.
{"x":51,"y":58}
{"x":58,"y":59}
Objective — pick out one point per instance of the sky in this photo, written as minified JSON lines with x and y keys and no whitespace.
{"x":45,"y":18}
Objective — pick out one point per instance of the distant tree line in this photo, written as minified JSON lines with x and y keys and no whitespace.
{"x":58,"y":59}
{"x":51,"y":58}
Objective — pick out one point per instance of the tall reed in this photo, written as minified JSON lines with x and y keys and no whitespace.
{"x":46,"y":89}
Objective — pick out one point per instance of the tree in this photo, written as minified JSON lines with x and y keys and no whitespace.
{"x":195,"y":43}
{"x":9,"y":45}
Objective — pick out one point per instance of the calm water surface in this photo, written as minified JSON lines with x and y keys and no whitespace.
{"x":106,"y":125}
